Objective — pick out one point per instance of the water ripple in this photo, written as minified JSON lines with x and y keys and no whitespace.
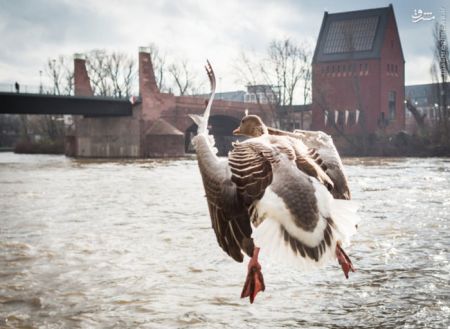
{"x":128,"y":244}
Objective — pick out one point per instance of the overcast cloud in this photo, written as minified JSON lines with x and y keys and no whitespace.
{"x":35,"y":30}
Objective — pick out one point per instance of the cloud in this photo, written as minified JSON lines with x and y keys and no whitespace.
{"x":33,"y":31}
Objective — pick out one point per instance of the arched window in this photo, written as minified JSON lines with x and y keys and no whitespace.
{"x":392,"y":105}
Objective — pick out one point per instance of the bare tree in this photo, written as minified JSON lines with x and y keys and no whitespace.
{"x":182,"y":77}
{"x":97,"y":66}
{"x":111,"y":74}
{"x":60,"y":73}
{"x":129,"y":76}
{"x":24,"y":127}
{"x":121,"y":72}
{"x":419,"y":117}
{"x":10,"y":129}
{"x":159,"y":66}
{"x":285,"y":67}
{"x":250,"y":72}
{"x":440,"y":72}
{"x":51,"y":127}
{"x":307,"y":75}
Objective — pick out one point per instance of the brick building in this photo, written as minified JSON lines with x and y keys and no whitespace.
{"x":426,"y":98}
{"x":358,"y":74}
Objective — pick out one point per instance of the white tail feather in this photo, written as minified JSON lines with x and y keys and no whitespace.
{"x":269,"y":235}
{"x":269,"y":238}
{"x":343,"y":213}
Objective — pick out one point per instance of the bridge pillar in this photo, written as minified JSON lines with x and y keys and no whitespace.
{"x":82,"y":83}
{"x":152,"y":99}
{"x":147,"y":80}
{"x":82,"y":87}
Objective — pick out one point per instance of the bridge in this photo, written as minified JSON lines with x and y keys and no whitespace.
{"x":91,"y":106}
{"x":157,"y":125}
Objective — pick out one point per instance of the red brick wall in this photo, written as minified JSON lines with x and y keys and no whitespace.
{"x":82,"y":84}
{"x":346,"y":91}
{"x":178,"y":115}
{"x":394,"y":78}
{"x":163,"y":146}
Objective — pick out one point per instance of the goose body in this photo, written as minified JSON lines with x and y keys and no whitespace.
{"x":276,"y":194}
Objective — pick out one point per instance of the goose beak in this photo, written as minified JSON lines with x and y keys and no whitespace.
{"x":237,"y":131}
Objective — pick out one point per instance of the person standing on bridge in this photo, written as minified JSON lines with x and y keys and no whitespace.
{"x":17,"y":86}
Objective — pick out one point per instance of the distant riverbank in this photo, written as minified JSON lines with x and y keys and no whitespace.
{"x":44,"y":147}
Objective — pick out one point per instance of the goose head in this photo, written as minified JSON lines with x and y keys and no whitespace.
{"x":252,"y":126}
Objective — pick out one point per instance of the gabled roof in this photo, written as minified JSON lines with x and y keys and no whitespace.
{"x":162,"y":127}
{"x":352,"y":35}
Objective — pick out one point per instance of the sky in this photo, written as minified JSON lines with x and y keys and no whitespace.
{"x":33,"y":31}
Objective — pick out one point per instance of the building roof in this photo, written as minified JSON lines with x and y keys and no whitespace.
{"x":352,"y":35}
{"x":234,"y":96}
{"x":162,"y":127}
{"x":425,"y":94}
{"x":294,"y":108}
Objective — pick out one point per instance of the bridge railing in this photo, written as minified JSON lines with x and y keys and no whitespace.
{"x":32,"y":89}
{"x":49,"y":90}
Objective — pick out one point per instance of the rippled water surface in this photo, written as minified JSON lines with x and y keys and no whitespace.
{"x":94,"y":244}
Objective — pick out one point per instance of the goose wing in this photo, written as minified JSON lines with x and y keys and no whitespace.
{"x":229,"y":217}
{"x":310,"y":166}
{"x":231,"y":189}
{"x":251,"y":170}
{"x":323,"y":152}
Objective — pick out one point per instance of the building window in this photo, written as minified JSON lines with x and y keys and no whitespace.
{"x":341,"y":118}
{"x":351,"y":118}
{"x":366,"y":67}
{"x":388,"y":67}
{"x":330,"y":121}
{"x":392,"y":105}
{"x":262,"y":98}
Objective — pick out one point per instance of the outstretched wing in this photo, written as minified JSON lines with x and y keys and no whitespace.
{"x":231,"y":189}
{"x":324,"y":153}
{"x":229,"y":217}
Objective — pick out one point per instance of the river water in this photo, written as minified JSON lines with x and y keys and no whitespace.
{"x":128,"y":244}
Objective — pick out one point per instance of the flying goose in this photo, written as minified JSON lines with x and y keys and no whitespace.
{"x":276,"y":194}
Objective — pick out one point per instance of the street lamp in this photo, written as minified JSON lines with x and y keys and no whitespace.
{"x":54,"y":76}
{"x":41,"y":89}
